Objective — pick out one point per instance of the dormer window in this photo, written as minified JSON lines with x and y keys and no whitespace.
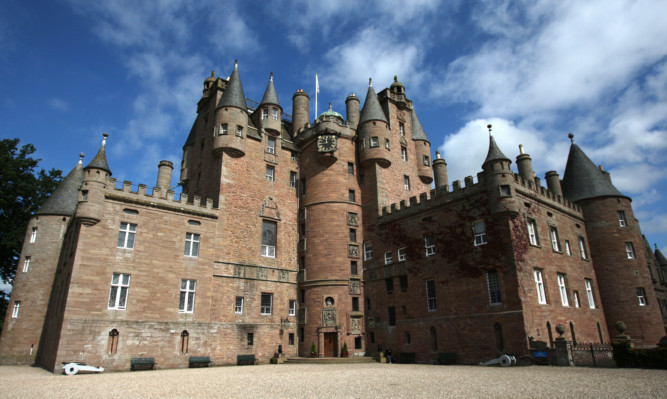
{"x":265,"y":113}
{"x":274,"y":114}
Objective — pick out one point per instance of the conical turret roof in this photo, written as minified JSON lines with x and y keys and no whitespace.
{"x":100,"y":160}
{"x":233,"y":95}
{"x":372,"y":110}
{"x":662,"y":261}
{"x":270,"y":95}
{"x":417,"y":129}
{"x":583,"y":180}
{"x":65,"y":197}
{"x":494,"y":153}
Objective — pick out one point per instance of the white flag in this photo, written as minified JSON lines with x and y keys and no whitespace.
{"x":317,"y":84}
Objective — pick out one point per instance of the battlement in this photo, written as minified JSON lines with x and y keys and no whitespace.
{"x":534,"y":188}
{"x":196,"y":205}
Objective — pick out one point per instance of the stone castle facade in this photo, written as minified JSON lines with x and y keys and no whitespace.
{"x":327,"y":234}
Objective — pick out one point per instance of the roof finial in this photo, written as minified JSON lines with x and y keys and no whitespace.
{"x":489,"y":127}
{"x":81,"y":158}
{"x":104,"y":140}
{"x":271,"y":79}
{"x":571,"y":136}
{"x":329,"y":105}
{"x":521,"y":149}
{"x":437,"y":154}
{"x":212,"y":73}
{"x":236,"y":63}
{"x":395,"y":78}
{"x":370,"y":82}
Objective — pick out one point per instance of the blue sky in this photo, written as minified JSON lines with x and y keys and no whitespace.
{"x":536,"y":70}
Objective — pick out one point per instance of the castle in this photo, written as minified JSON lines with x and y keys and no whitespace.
{"x":327,"y":235}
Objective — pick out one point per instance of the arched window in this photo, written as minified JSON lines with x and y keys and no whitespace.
{"x":185,"y":340}
{"x":434,"y":340}
{"x":113,"y":342}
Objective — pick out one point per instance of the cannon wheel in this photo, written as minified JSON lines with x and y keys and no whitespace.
{"x":71,"y":368}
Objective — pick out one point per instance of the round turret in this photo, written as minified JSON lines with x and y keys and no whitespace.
{"x":422,"y":149}
{"x":300,"y":111}
{"x":498,"y":177}
{"x":374,"y":133}
{"x":270,"y":110}
{"x":90,"y":208}
{"x":231,"y":119}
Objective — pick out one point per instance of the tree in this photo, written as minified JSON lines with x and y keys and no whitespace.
{"x":23,"y":191}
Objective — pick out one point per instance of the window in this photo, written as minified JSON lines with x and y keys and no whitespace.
{"x":404,"y":154}
{"x":251,"y":338}
{"x":641,"y":296}
{"x":353,"y":268}
{"x":26,"y":264}
{"x":269,"y":238}
{"x":375,"y":142}
{"x":120,"y":284}
{"x":568,"y":250}
{"x":291,"y":339}
{"x":17,"y":306}
{"x":113,"y":342}
{"x":185,"y":339}
{"x":265,"y":113}
{"x":274,"y":114}
{"x":357,"y":342}
{"x":186,"y":303}
{"x":223,"y":129}
{"x":292,"y":307}
{"x":493,"y":285}
{"x":402,"y":255}
{"x":408,"y":338}
{"x":389,"y":284}
{"x":621,"y":219}
{"x":238,"y":307}
{"x":539,"y":285}
{"x":270,"y":172}
{"x":575,"y":296}
{"x":555,"y":242}
{"x":126,"y":235}
{"x":589,"y":293}
{"x":429,"y":244}
{"x":386,"y":143}
{"x":562,"y":287}
{"x":368,"y":250}
{"x":582,"y":248}
{"x":368,"y":304}
{"x":192,"y":244}
{"x":427,"y":161}
{"x":532,"y":232}
{"x":629,"y":250}
{"x":292,"y":179}
{"x":355,"y":304}
{"x":406,"y":183}
{"x":388,"y":258}
{"x":505,"y":191}
{"x":84,"y":195}
{"x":33,"y":235}
{"x":266,"y":307}
{"x":392,"y":315}
{"x":479,"y":231}
{"x":351,"y":196}
{"x":239,"y":131}
{"x":403,"y":280}
{"x":353,"y":235}
{"x":271,"y":145}
{"x":401,"y":128}
{"x":431,"y":306}
{"x":350,"y":168}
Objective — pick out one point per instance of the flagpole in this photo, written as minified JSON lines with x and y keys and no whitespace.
{"x":317,"y":90}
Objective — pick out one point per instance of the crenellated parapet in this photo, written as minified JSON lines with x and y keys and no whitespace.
{"x":530,"y":188}
{"x":157,"y":199}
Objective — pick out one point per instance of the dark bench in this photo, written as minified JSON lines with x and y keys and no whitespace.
{"x":447,"y":357}
{"x":142,"y":363}
{"x":407,"y":357}
{"x":199,"y":361}
{"x":245,"y":359}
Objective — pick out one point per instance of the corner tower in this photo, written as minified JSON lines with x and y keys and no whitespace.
{"x":231,"y":118}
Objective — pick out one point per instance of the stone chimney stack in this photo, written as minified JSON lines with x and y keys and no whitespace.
{"x":440,"y":171}
{"x":525,"y":165}
{"x":164,"y":176}
{"x":553,"y":182}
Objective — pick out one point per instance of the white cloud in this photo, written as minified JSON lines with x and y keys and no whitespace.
{"x":58,"y":104}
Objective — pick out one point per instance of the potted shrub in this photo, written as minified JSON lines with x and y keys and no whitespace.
{"x":344,"y":351}
{"x":313,"y":350}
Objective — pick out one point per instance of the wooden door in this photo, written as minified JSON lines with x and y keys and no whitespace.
{"x":330,"y":344}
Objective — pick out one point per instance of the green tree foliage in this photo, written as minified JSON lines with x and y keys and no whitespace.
{"x":22,"y":192}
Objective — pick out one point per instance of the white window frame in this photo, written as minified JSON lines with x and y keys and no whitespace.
{"x":493,"y":285}
{"x":431,"y":303}
{"x":622,"y":221}
{"x":589,"y":293}
{"x":406,"y":183}
{"x":223,"y":129}
{"x":238,"y":305}
{"x":269,"y":251}
{"x":562,"y":287}
{"x":271,"y":145}
{"x":568,"y":249}
{"x":292,"y":307}
{"x":539,"y":286}
{"x":555,"y":241}
{"x":402,"y":254}
{"x":26,"y":264}
{"x":33,"y":235}
{"x":641,"y":296}
{"x":479,"y":236}
{"x":15,"y":311}
{"x":582,"y":248}
{"x":388,"y":258}
{"x":427,"y":160}
{"x":270,"y":173}
{"x":429,"y":249}
{"x":532,"y":232}
{"x":368,"y":250}
{"x":120,"y":283}
{"x":630,"y":250}
{"x":401,"y":128}
{"x":292,"y":179}
{"x":186,"y":303}
{"x":265,"y":113}
{"x":266,"y":310}
{"x":575,"y":295}
{"x":239,"y":131}
{"x":386,"y":143}
{"x":375,"y":142}
{"x":191,"y":245}
{"x":505,"y":190}
{"x":126,"y":231}
{"x":274,"y":114}
{"x":404,"y":154}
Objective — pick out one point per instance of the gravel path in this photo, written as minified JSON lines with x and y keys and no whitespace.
{"x":370,"y":380}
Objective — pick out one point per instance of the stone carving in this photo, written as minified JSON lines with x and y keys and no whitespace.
{"x":355,"y":325}
{"x":353,"y":251}
{"x":268,"y":157}
{"x":371,"y":322}
{"x":352,"y":219}
{"x":239,"y":271}
{"x":262,"y":273}
{"x":329,"y":317}
{"x":269,"y":209}
{"x":283,"y":275}
{"x":355,"y":287}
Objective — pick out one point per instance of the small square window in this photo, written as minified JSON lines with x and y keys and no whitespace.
{"x":355,"y":304}
{"x":292,"y":307}
{"x":33,"y":235}
{"x":479,"y":231}
{"x":353,"y":235}
{"x":274,"y":114}
{"x":621,"y":219}
{"x":223,"y":129}
{"x":15,"y":311}
{"x":251,"y":339}
{"x":265,"y":113}
{"x":402,"y":256}
{"x":239,"y":131}
{"x":404,"y":154}
{"x":126,"y":235}
{"x":505,"y":191}
{"x":271,"y":145}
{"x":186,"y":302}
{"x":629,"y":250}
{"x":350,"y":168}
{"x":386,"y":143}
{"x":368,"y":250}
{"x":406,"y":183}
{"x":191,"y":245}
{"x":270,"y":172}
{"x":388,"y":258}
{"x":351,"y":196}
{"x":353,"y":268}
{"x":429,"y":244}
{"x":238,"y":307}
{"x":532,"y":232}
{"x":375,"y":142}
{"x":427,"y":160}
{"x":292,"y":179}
{"x":26,"y":264}
{"x":266,"y":306}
